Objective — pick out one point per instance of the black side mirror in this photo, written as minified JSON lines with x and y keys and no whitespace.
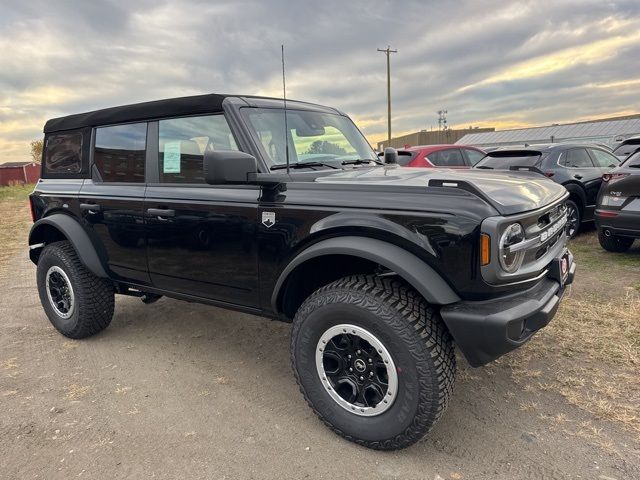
{"x":390,"y":155}
{"x":228,"y":167}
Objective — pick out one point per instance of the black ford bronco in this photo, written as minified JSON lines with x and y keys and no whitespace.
{"x":285,"y":211}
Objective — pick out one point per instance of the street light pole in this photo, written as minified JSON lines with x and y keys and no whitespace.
{"x":387,"y":52}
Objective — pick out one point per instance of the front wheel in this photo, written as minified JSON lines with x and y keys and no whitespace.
{"x":574,"y":218}
{"x":373,"y":360}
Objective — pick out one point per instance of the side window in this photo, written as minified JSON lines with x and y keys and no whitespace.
{"x":575,"y":158}
{"x":63,"y":153}
{"x":183,"y":141}
{"x":474,"y":156}
{"x":604,"y":159}
{"x":120,"y":152}
{"x":447,"y":158}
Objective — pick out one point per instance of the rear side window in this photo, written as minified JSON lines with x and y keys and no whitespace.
{"x":120,"y":152}
{"x":474,"y":156}
{"x":604,"y":159}
{"x":447,"y":158}
{"x":183,"y":142}
{"x":575,"y":158}
{"x":633,"y":160}
{"x":63,"y":153}
{"x":627,"y":149}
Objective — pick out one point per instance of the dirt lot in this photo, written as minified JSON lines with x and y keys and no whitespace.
{"x":177,"y":390}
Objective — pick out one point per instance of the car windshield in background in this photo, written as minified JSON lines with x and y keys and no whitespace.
{"x":504,"y":160}
{"x":632,"y":161}
{"x":314,"y":137}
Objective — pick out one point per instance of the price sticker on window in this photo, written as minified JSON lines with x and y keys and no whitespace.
{"x":171,"y":162}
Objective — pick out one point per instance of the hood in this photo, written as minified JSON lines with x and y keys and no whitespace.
{"x":509,"y":192}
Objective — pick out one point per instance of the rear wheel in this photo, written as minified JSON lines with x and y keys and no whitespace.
{"x":373,"y":360}
{"x":614,"y":243}
{"x":78,"y":303}
{"x":574,"y":217}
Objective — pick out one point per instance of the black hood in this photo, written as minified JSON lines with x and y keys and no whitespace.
{"x":509,"y":192}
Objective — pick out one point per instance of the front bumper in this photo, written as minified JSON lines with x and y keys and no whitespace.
{"x":486,"y":330}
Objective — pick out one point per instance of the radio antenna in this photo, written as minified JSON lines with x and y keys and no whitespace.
{"x":286,"y":126}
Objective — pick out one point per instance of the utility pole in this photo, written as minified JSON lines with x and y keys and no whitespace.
{"x":442,"y":123}
{"x":388,"y":52}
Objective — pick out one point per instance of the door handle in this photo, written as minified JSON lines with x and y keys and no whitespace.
{"x":161,"y":212}
{"x":90,"y":207}
{"x":577,"y":176}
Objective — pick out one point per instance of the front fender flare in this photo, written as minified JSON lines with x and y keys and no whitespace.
{"x":413,"y":270}
{"x":73,"y":231}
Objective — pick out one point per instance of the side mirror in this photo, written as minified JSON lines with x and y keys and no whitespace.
{"x":228,"y":167}
{"x":390,"y":156}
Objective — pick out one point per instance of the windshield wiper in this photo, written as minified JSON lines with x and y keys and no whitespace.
{"x":362,"y":161}
{"x":484,"y":167}
{"x":281,"y":166}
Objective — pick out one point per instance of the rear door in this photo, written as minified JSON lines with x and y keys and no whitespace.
{"x":581,"y":168}
{"x":111,"y":202}
{"x":201,"y":238}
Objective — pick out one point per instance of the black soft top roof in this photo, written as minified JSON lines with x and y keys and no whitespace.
{"x":171,"y":107}
{"x":209,"y":103}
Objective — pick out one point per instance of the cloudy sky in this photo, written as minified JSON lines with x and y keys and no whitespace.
{"x":489,"y":63}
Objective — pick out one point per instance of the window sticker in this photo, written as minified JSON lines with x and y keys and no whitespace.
{"x":171,"y":162}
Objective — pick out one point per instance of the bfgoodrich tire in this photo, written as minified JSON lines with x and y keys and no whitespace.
{"x":78,"y":303}
{"x":614,"y":243}
{"x":373,"y":360}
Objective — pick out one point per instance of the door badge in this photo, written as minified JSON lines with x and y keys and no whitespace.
{"x":268,"y":219}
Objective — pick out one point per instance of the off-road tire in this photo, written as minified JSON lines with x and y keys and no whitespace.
{"x":614,"y":243}
{"x":93,"y":296}
{"x":578,"y":220}
{"x":415,"y":337}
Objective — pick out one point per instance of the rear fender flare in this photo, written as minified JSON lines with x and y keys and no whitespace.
{"x":72,"y":231}
{"x":412,"y":269}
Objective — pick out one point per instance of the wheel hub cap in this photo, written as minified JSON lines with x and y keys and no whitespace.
{"x":356,"y":370}
{"x":60,"y":292}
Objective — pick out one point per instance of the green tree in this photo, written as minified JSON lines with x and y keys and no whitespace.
{"x":328,"y":148}
{"x":36,"y":150}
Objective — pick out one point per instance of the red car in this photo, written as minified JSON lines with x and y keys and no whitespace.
{"x":443,"y":156}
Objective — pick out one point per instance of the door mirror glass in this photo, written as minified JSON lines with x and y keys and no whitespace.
{"x":223,"y":167}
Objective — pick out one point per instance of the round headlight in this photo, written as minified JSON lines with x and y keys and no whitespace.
{"x":511,"y":261}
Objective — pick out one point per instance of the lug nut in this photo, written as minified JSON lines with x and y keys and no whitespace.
{"x":358,"y":352}
{"x":361,"y":378}
{"x":350,"y":369}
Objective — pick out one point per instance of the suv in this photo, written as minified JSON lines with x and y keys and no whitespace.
{"x":446,"y":156}
{"x":627,"y":147}
{"x":618,"y":211}
{"x":577,"y":167}
{"x":381,"y":269}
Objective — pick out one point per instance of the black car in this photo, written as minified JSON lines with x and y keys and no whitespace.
{"x":289,"y":214}
{"x":577,"y":167}
{"x":618,"y":211}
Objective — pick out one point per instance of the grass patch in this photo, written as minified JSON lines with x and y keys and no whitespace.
{"x":590,"y":254}
{"x":16,"y":220}
{"x":590,"y":355}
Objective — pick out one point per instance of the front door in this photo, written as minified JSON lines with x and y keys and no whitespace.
{"x":201,"y":239}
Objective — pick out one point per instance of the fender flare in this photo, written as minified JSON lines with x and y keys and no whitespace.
{"x":576,"y":190}
{"x":76,"y":234}
{"x":416,"y":272}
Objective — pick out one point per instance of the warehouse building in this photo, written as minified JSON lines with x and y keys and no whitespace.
{"x":608,"y":131}
{"x":431,"y":137}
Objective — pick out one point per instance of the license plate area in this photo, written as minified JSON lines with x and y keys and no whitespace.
{"x":560,"y":267}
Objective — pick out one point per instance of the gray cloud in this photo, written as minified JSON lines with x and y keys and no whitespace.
{"x":72,"y":55}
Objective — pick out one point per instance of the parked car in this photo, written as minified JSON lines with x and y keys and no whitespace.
{"x":381,"y":269}
{"x":577,"y":167}
{"x":627,"y":147}
{"x":446,"y":156}
{"x":618,"y":210}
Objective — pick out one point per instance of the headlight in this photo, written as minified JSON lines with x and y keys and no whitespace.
{"x":511,"y":261}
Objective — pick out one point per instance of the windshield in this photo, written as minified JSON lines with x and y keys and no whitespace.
{"x":312,"y":136}
{"x":504,"y":160}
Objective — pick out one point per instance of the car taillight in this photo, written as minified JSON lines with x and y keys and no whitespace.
{"x":612,"y":177}
{"x":33,"y":210}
